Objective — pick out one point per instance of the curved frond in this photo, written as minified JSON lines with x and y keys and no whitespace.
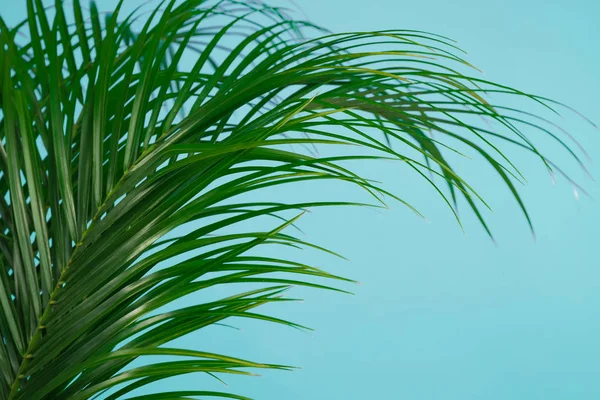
{"x":135,"y":150}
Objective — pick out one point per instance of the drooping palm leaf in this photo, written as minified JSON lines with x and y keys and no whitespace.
{"x":111,"y":143}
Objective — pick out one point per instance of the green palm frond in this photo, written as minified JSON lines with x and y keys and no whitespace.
{"x":118,"y":131}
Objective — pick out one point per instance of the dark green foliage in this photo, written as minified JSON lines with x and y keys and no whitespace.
{"x":110,"y":143}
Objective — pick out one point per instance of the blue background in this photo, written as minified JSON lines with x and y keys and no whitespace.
{"x":440,"y":314}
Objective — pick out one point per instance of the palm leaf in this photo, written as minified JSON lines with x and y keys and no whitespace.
{"x":111,"y":144}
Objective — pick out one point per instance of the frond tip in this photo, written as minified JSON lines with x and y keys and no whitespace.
{"x":134,"y":151}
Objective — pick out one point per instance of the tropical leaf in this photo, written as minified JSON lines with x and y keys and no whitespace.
{"x":128,"y":174}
